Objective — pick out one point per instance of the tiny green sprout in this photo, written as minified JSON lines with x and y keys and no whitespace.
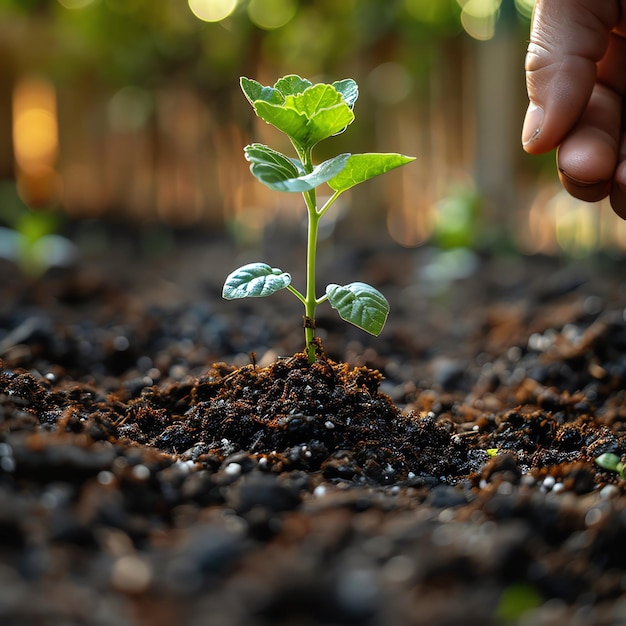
{"x":612,"y":462}
{"x":309,"y":113}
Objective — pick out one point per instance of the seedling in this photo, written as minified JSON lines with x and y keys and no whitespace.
{"x":309,"y":113}
{"x":612,"y":462}
{"x":29,"y":237}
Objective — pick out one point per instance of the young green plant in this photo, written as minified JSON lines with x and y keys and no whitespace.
{"x":309,"y":113}
{"x":612,"y":462}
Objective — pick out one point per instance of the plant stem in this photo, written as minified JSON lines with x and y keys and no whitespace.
{"x":310,"y":301}
{"x":329,"y":203}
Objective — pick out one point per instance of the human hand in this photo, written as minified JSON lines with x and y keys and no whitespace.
{"x":576,"y":81}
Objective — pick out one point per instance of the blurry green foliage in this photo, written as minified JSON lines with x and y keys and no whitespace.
{"x":29,"y":238}
{"x":144,"y":42}
{"x":458,"y":219}
{"x":517,"y":600}
{"x":127,"y":50}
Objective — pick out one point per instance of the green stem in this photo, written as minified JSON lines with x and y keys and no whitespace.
{"x":310,"y":300}
{"x":296,"y":293}
{"x":329,"y":203}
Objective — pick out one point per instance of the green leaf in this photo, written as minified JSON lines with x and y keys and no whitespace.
{"x":325,"y":108}
{"x":360,"y":304}
{"x":329,"y":122}
{"x":287,"y":120}
{"x":292,"y":84}
{"x":254,"y":280}
{"x":348,"y":89}
{"x":317,"y":113}
{"x":270,"y":166}
{"x":362,"y":167}
{"x":315,"y":99}
{"x":280,"y":173}
{"x":320,"y":174}
{"x":255,"y":91}
{"x":609,"y":461}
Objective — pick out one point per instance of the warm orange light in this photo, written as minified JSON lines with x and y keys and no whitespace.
{"x":36,"y":140}
{"x":35,"y":130}
{"x":34,"y":137}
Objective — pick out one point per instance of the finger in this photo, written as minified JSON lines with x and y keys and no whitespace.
{"x":611,"y":67}
{"x":567,"y":40}
{"x":618,"y":190}
{"x":588,"y":156}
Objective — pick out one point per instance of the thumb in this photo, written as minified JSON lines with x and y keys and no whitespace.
{"x":568,"y":38}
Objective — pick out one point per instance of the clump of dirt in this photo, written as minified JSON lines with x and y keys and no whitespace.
{"x":290,"y":415}
{"x":325,"y":418}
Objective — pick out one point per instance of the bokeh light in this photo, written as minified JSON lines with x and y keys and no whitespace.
{"x":129,"y":109}
{"x":479,"y":17}
{"x":576,"y":225}
{"x":390,"y":82}
{"x":212,"y":10}
{"x":525,"y":8}
{"x":271,"y":14}
{"x":36,"y":140}
{"x":35,"y":133}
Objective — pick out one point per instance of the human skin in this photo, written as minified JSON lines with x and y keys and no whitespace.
{"x":576,"y":82}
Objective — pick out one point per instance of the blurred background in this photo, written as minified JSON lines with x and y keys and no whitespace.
{"x":128,"y":112}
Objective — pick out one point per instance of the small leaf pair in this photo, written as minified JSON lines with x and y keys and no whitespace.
{"x":358,"y":303}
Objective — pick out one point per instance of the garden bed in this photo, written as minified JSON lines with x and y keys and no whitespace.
{"x":168,"y":457}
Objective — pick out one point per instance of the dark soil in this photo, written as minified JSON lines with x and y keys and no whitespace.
{"x":169,"y":458}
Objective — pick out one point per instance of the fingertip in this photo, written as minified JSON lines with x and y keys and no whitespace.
{"x":587,"y":158}
{"x":587,"y":191}
{"x":580,"y":178}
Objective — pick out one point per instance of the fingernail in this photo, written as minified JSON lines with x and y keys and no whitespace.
{"x":532,"y":124}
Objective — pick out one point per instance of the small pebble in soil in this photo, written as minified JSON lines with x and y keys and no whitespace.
{"x":595,"y":515}
{"x":357,"y":592}
{"x":609,"y":491}
{"x":505,"y":488}
{"x":105,"y":477}
{"x":141,"y":472}
{"x":319,"y":491}
{"x":398,"y":570}
{"x":185,"y":467}
{"x":7,"y":464}
{"x":233,"y":469}
{"x":131,"y":574}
